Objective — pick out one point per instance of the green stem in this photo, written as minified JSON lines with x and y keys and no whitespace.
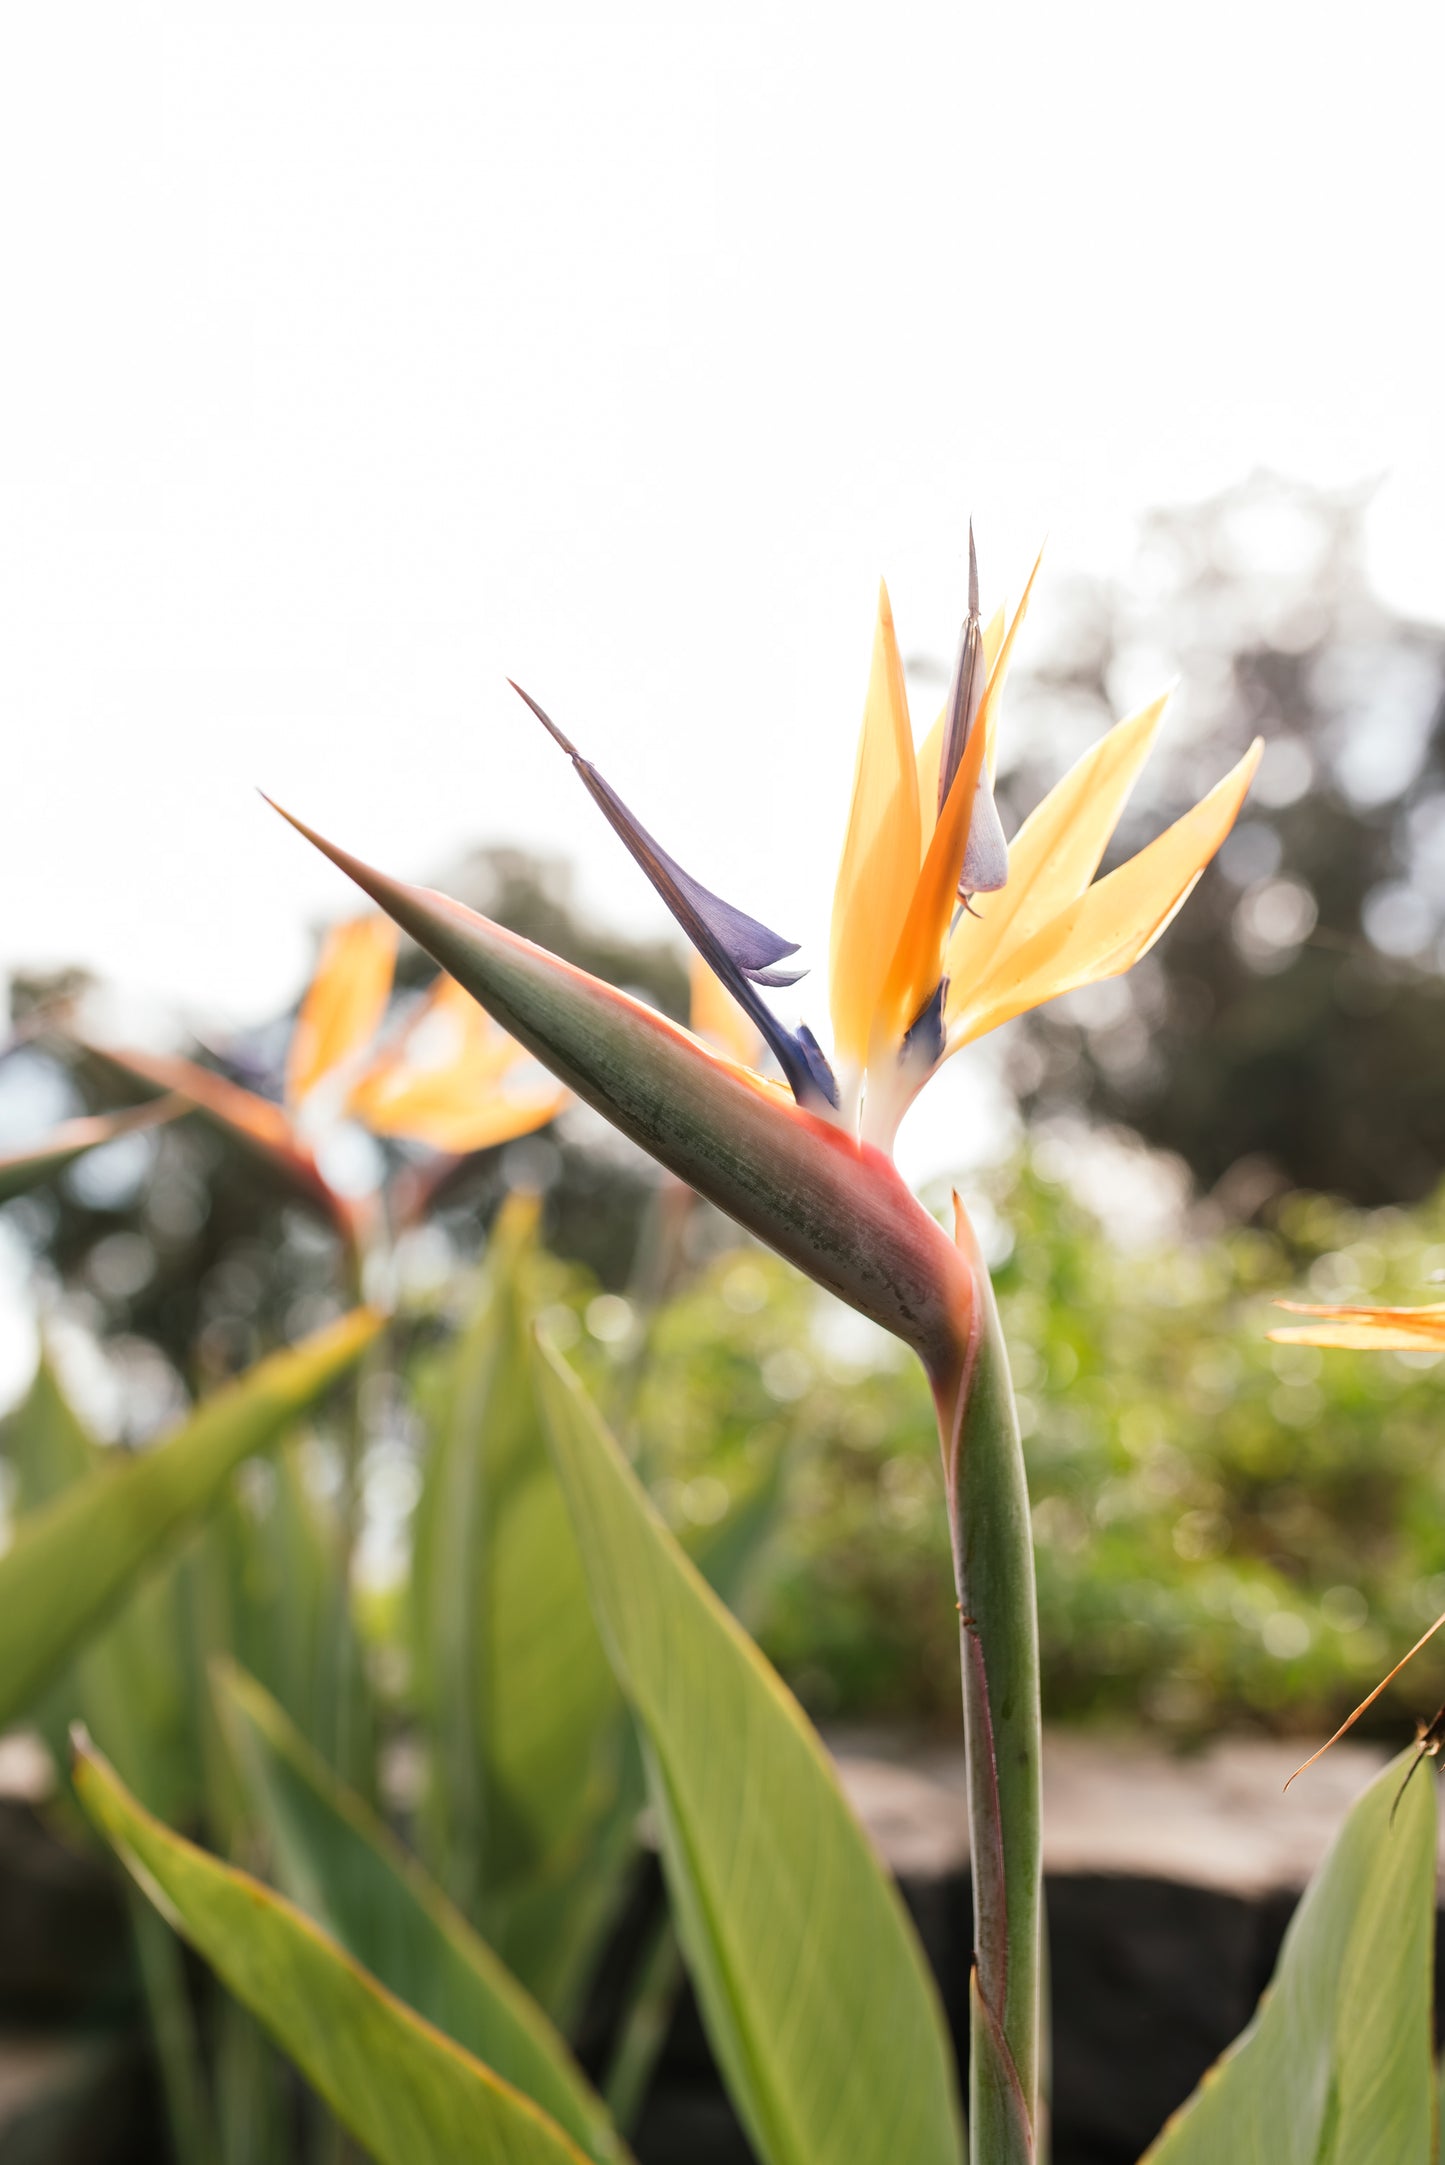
{"x":249,"y":2084}
{"x":644,"y":2031}
{"x":173,"y":2029}
{"x":998,"y":1634}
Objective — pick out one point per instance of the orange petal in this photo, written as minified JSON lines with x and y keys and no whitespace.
{"x":1113,"y":922}
{"x":450,"y":1115}
{"x":344,"y":1003}
{"x":917,"y":962}
{"x":449,"y":1082}
{"x":1369,"y":1330}
{"x":881,"y":851}
{"x":993,"y":654}
{"x":718,"y":1020}
{"x":1055,"y":853}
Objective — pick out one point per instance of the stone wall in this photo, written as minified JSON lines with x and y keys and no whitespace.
{"x":1169,"y":1884}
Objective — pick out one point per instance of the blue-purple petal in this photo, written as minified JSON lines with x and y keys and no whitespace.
{"x":923,"y":1039}
{"x":739,"y":949}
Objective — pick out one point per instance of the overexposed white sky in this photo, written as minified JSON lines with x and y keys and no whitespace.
{"x":357,"y":357}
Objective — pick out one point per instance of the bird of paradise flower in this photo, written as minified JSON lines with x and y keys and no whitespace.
{"x":941,"y":932}
{"x":917,"y":969}
{"x":449,"y":1077}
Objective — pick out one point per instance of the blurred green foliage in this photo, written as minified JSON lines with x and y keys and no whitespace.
{"x":1229,"y":1532}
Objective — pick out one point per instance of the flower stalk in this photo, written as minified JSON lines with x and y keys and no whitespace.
{"x":993,"y":1568}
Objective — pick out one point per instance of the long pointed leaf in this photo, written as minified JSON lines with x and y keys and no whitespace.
{"x":129,"y":1686}
{"x":71,"y":1561}
{"x":1336,"y":2067}
{"x":25,"y":1169}
{"x":44,"y":1439}
{"x":406,"y":2092}
{"x":348,"y":1871}
{"x":262,"y":1129}
{"x":815,"y":1992}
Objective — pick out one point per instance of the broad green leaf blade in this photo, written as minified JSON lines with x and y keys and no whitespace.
{"x":1336,"y":2067}
{"x":22,"y":1170}
{"x":406,"y":2092}
{"x":833,"y":1206}
{"x":71,"y":1561}
{"x":815,"y":1992}
{"x":130,"y":1682}
{"x":348,"y":1871}
{"x":131,"y":1678}
{"x":524,"y":1725}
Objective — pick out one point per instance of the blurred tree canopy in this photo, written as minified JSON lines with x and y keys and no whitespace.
{"x":1289,"y":1030}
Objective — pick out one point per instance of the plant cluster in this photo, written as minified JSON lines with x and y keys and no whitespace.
{"x":564,"y":1657}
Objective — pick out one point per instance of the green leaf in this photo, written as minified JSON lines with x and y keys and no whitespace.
{"x":406,"y":2092}
{"x":349,"y":1872}
{"x":1336,"y":2068}
{"x":815,"y":1992}
{"x":74,"y":1559}
{"x":128,"y":1685}
{"x":524,"y":1725}
{"x":22,"y":1170}
{"x":130,"y":1680}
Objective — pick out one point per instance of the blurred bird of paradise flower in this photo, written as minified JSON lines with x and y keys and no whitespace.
{"x":1360,"y":1329}
{"x":1366,"y":1330}
{"x":449,"y":1077}
{"x":941,"y":932}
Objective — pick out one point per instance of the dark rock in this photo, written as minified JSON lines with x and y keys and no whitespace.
{"x":64,"y":1937}
{"x":1150,"y":1981}
{"x":1169,"y":1881}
